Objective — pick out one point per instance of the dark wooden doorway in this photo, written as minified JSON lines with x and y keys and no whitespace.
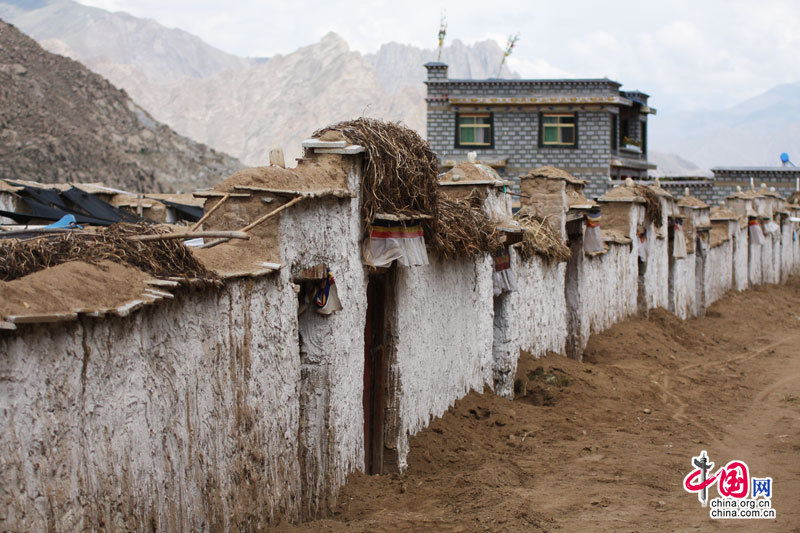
{"x":375,"y":373}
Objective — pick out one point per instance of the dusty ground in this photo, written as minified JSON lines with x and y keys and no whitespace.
{"x":604,"y":445}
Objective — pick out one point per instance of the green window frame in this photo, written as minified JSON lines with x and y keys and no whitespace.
{"x":558,"y":130}
{"x":474,"y":130}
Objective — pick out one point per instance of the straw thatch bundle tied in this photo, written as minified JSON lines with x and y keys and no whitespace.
{"x":652,"y":204}
{"x":539,"y":237}
{"x":462,"y":228}
{"x":162,"y":258}
{"x":401,"y":169}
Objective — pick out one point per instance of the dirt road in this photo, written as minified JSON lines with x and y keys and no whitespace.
{"x":604,"y":445}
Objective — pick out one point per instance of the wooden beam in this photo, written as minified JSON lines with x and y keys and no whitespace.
{"x":271,"y":214}
{"x":190,"y":235}
{"x":210,"y":211}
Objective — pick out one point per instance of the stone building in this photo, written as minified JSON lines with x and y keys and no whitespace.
{"x":588,"y":127}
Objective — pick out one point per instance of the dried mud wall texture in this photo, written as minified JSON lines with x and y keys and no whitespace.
{"x":787,"y":250}
{"x":775,"y":272}
{"x":532,"y":319}
{"x":608,"y":286}
{"x":7,"y":203}
{"x":754,"y":262}
{"x":718,"y":272}
{"x":327,"y":231}
{"x":540,"y":305}
{"x":443,"y":339}
{"x":657,"y":270}
{"x":740,"y":250}
{"x":182,"y":416}
{"x":682,"y":288}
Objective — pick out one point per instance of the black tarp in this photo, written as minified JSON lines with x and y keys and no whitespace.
{"x":192,"y":213}
{"x":97,"y":207}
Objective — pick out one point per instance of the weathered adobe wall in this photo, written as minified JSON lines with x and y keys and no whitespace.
{"x":787,"y":250}
{"x":443,"y":330}
{"x":718,"y":272}
{"x":754,"y":263}
{"x":608,"y":286}
{"x":332,"y":355}
{"x":775,"y":272}
{"x":740,"y":254}
{"x":682,"y":286}
{"x":182,"y":416}
{"x":656,"y":288}
{"x":532,"y":319}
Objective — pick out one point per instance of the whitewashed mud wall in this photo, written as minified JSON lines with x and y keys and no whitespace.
{"x":718,"y":272}
{"x":656,"y":288}
{"x":7,"y":203}
{"x":532,"y":318}
{"x":682,"y":286}
{"x":332,"y":357}
{"x":775,"y":274}
{"x":540,"y":305}
{"x":740,"y":256}
{"x":754,"y":262}
{"x":443,"y":328}
{"x":180,"y":417}
{"x":787,"y":250}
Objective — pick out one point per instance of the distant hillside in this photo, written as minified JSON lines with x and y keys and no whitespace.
{"x":753,"y":132}
{"x":401,"y":65}
{"x":101,"y":40}
{"x":245,"y":106}
{"x":60,"y":122}
{"x":675,"y":165}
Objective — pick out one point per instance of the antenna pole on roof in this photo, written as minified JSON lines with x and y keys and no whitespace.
{"x":512,"y":41}
{"x":442,"y":33}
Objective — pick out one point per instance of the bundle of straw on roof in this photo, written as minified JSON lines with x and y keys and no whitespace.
{"x":539,"y":237}
{"x":163,"y":258}
{"x":401,"y":170}
{"x":652,"y":206}
{"x":462,"y":228}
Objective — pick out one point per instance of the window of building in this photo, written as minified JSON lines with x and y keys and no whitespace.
{"x":474,"y":130}
{"x":614,"y":132}
{"x":558,"y":129}
{"x":643,"y":137}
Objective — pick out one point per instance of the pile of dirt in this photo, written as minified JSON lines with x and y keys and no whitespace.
{"x":604,"y":445}
{"x":324,"y":172}
{"x":161,"y":258}
{"x":72,"y":286}
{"x":62,"y":123}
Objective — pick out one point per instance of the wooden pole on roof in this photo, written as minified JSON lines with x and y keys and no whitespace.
{"x":210,"y":211}
{"x":189,"y":235}
{"x":271,"y":214}
{"x":255,"y":222}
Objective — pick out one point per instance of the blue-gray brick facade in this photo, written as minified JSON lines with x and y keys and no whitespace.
{"x":515,"y":107}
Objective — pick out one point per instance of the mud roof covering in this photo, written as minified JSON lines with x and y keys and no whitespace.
{"x":722,"y":213}
{"x":692,"y":202}
{"x":471,"y":174}
{"x":747,"y":194}
{"x":622,"y":193}
{"x":553,"y":173}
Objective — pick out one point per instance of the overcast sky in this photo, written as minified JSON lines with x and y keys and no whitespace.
{"x":686,"y":54}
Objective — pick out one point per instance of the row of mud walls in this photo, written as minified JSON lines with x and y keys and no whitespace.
{"x":183,"y":416}
{"x":443,"y":331}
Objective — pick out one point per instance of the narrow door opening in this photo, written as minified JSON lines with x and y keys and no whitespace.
{"x":574,"y":346}
{"x":375,"y":340}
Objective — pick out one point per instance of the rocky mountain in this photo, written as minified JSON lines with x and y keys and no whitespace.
{"x":401,"y":65}
{"x":237,"y":105}
{"x":102,"y":40}
{"x":61,"y":122}
{"x":279,"y":102}
{"x":674,"y":165}
{"x":752,"y":133}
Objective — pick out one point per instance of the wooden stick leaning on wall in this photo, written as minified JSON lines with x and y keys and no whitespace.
{"x":210,"y":211}
{"x":190,"y":235}
{"x":256,"y":222}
